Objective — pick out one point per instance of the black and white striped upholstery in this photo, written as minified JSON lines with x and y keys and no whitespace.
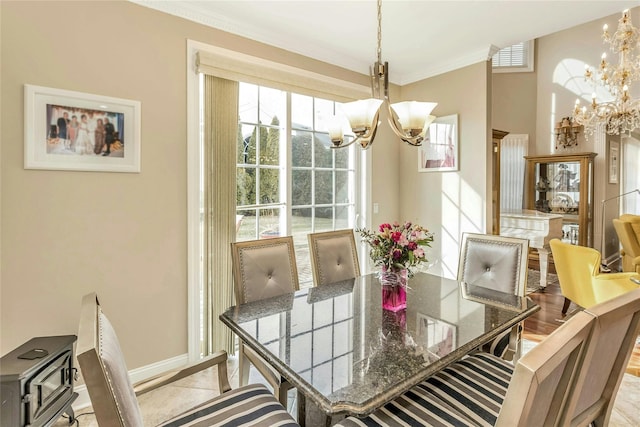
{"x":252,"y":405}
{"x":114,"y":398}
{"x":469,"y":393}
{"x":485,"y":390}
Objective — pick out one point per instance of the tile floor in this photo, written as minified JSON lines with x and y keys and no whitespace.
{"x":168,"y":401}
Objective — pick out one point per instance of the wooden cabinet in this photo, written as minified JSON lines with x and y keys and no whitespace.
{"x":563,"y":184}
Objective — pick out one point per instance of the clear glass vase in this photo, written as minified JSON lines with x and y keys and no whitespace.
{"x":394,"y":288}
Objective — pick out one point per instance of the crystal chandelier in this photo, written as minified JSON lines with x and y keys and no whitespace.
{"x":622,"y":114}
{"x":409,"y":120}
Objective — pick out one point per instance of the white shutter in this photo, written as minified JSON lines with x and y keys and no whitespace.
{"x":515,"y":58}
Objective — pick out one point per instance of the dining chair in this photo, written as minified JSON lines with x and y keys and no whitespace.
{"x":263,"y":269}
{"x":334,"y":256}
{"x":114,"y":398}
{"x":580,"y":279}
{"x":498,"y":263}
{"x":612,"y":343}
{"x":628,"y":230}
{"x":486,"y":390}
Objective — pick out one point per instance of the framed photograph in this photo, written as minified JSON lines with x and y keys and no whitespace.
{"x":437,"y":336}
{"x":440,"y":149}
{"x":69,"y":130}
{"x":614,"y":160}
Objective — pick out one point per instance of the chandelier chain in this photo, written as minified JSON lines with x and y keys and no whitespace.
{"x":379,"y":52}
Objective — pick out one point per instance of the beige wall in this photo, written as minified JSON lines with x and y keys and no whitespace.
{"x":514,"y":103}
{"x":450,"y":203}
{"x":123,"y":235}
{"x":538,"y":100}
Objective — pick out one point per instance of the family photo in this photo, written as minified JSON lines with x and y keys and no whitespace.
{"x":84,"y":132}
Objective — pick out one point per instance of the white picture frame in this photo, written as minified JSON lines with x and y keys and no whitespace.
{"x":104,"y":136}
{"x":614,"y":161}
{"x":440,"y":149}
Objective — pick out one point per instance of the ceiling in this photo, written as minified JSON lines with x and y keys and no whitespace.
{"x":420,"y":38}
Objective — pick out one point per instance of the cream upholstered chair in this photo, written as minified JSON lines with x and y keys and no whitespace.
{"x":485,"y":390}
{"x":334,"y":256}
{"x":113,"y":397}
{"x":263,"y":269}
{"x":628,"y":230}
{"x":498,"y":263}
{"x":578,"y":269}
{"x":612,"y":342}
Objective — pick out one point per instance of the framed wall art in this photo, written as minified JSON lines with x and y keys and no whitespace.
{"x":440,"y":149}
{"x":614,"y":158}
{"x":69,"y":130}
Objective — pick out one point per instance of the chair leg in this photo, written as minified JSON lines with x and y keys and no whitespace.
{"x":243,"y":366}
{"x":565,"y":306}
{"x":281,"y":392}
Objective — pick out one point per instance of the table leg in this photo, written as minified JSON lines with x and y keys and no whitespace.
{"x":543,"y":256}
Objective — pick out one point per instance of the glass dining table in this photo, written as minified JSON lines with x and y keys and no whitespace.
{"x":338,"y":347}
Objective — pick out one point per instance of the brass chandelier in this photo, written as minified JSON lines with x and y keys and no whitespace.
{"x":622,"y":114}
{"x":409,"y":120}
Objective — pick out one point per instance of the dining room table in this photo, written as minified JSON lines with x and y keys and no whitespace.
{"x":342,"y":351}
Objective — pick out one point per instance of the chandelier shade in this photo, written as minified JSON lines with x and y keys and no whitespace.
{"x":621,"y":114}
{"x":414,"y":119}
{"x":409,"y":120}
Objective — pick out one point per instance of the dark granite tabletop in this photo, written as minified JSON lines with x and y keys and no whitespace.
{"x":338,"y":347}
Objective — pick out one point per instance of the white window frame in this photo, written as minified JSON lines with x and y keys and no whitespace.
{"x":529,"y":47}
{"x":194,"y":157}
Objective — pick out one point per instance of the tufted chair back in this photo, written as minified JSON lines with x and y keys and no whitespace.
{"x":334,"y":256}
{"x":264,"y":268}
{"x":628,"y":230}
{"x":494,"y":262}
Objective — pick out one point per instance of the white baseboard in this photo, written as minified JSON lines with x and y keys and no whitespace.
{"x":136,"y":375}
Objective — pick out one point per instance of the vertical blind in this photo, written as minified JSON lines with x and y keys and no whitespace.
{"x":513,"y":148}
{"x":220,"y":97}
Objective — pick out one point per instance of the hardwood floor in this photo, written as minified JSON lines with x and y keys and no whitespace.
{"x":550,"y":317}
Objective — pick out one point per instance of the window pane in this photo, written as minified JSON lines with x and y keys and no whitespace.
{"x":324,"y":219}
{"x":246,"y":186}
{"x":343,"y":213}
{"x":249,"y":145}
{"x":269,"y":223}
{"x":324,"y":110}
{"x":269,"y":146}
{"x":301,"y":191}
{"x":301,"y":148}
{"x":324,"y":187}
{"x":272,"y":105}
{"x":269,"y":186}
{"x":342,"y":157}
{"x":323,"y":154}
{"x":246,"y":225}
{"x":301,"y":111}
{"x":342,"y":187}
{"x":248,"y":103}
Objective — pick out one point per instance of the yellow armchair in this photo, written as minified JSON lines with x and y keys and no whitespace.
{"x":578,"y":269}
{"x":628,"y":231}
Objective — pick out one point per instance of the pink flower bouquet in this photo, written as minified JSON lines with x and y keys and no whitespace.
{"x":397,"y":246}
